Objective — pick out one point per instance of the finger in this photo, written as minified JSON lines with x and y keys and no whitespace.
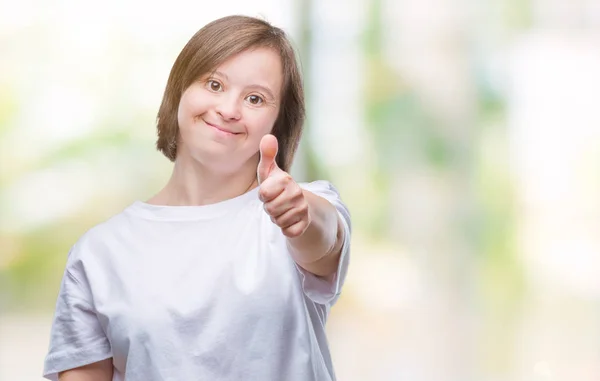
{"x":268,"y":151}
{"x":273,"y":186}
{"x":286,"y":200}
{"x":289,"y":218}
{"x":296,"y":229}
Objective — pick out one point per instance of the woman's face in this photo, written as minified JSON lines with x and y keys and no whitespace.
{"x":223,"y":115}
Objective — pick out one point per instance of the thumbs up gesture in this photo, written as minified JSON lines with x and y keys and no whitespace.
{"x":282,"y":197}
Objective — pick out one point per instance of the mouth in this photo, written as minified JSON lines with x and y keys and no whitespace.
{"x":222,"y":130}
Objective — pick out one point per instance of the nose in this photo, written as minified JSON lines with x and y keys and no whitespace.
{"x":229,"y":108}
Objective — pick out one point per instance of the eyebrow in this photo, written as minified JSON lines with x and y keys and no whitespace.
{"x":258,"y":87}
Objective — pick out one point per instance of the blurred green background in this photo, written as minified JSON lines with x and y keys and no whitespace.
{"x":464,"y":136}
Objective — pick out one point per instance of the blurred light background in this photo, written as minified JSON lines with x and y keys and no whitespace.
{"x":464,"y":136}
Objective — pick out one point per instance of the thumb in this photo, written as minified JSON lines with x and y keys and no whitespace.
{"x":268,"y":151}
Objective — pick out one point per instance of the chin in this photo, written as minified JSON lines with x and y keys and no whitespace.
{"x":217,"y":160}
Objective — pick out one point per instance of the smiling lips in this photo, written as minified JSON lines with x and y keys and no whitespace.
{"x":222,"y":130}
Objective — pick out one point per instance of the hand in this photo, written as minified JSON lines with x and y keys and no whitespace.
{"x":283,"y":199}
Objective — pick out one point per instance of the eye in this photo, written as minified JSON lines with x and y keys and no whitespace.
{"x":214,"y":85}
{"x":254,"y":99}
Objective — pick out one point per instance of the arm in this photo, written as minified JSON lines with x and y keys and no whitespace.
{"x":314,"y":230}
{"x":98,"y":371}
{"x":318,"y":249}
{"x":77,"y":337}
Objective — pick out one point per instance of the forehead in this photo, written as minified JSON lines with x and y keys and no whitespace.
{"x":260,"y":66}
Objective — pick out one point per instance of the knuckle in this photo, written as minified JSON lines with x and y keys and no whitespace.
{"x":298,"y":192}
{"x":304,"y":207}
{"x":263,"y":193}
{"x":270,"y":208}
{"x":286,"y":178}
{"x":294,"y":230}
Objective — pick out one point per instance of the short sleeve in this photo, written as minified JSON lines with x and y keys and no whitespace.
{"x":77,"y":337}
{"x":320,"y":290}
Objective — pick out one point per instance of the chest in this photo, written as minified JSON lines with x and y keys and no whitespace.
{"x":194,"y":291}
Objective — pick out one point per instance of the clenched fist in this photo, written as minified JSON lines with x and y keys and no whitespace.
{"x":282,"y":196}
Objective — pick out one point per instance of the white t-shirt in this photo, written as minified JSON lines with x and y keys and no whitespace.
{"x":192,"y":293}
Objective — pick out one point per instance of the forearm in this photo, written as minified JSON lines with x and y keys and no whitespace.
{"x":98,"y":371}
{"x":318,"y":249}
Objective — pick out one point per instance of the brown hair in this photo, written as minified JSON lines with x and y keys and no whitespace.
{"x":211,"y":46}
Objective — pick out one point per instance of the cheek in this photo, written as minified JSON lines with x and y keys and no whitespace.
{"x":183,"y":110}
{"x":262,"y":123}
{"x":192,"y":103}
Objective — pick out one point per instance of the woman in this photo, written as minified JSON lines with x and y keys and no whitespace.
{"x":229,"y":272}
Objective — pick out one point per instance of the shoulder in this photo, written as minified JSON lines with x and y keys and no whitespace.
{"x":321,"y":187}
{"x":328,"y":191}
{"x":91,"y":242}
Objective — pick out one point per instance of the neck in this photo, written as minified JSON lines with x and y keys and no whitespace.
{"x":192,"y":183}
